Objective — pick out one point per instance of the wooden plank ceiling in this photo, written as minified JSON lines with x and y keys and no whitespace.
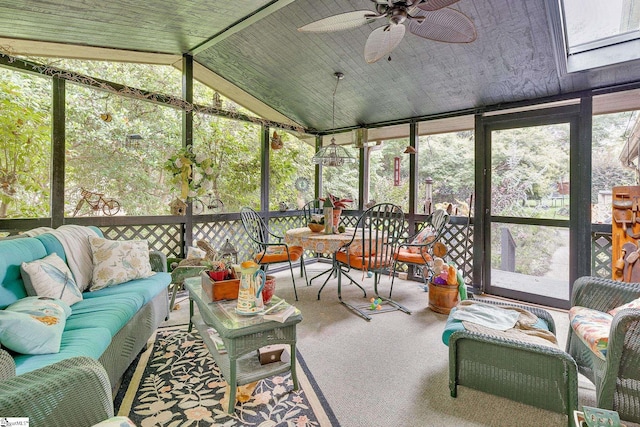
{"x":255,"y":46}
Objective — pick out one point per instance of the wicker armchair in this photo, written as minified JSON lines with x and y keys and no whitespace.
{"x":72,"y":392}
{"x":617,"y":379}
{"x":537,"y":375}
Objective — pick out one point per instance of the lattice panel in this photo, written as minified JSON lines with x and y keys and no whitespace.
{"x":454,"y":237}
{"x":217,"y":233}
{"x":601,"y":245}
{"x":166,"y":238}
{"x":279,"y":225}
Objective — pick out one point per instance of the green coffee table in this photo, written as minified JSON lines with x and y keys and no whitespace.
{"x":242,"y":337}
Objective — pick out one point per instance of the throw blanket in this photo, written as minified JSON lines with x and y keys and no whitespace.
{"x":491,"y":316}
{"x":523,"y":330}
{"x":37,"y":231}
{"x":75,"y":241}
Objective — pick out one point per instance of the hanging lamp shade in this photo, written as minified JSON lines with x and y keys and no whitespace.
{"x":332,"y":155}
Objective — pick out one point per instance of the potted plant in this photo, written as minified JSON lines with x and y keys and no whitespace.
{"x":338,"y":204}
{"x":217,"y":270}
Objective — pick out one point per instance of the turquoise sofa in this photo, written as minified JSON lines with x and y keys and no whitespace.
{"x":110,"y":326}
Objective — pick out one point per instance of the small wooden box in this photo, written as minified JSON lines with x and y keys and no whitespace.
{"x":219,"y":290}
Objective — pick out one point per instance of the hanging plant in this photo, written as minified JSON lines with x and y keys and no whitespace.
{"x":191,"y":172}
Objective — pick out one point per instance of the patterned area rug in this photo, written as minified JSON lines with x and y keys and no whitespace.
{"x":176,"y":382}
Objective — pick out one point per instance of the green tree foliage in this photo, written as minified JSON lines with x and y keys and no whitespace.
{"x":289,"y":163}
{"x":24,"y":145}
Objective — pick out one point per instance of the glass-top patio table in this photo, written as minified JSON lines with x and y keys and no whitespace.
{"x":242,"y":337}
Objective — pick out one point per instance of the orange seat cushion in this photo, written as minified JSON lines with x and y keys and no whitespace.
{"x":279,"y":254}
{"x":357,"y":261}
{"x":403,"y":255}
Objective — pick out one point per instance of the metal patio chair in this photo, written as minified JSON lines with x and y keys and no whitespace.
{"x":417,"y":250}
{"x":267,"y":252}
{"x":372,"y":249}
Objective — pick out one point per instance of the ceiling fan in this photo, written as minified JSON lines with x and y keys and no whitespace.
{"x":429,"y":19}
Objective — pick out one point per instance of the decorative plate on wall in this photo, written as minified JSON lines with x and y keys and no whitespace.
{"x":302,"y":184}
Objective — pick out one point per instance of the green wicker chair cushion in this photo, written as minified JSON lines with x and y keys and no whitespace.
{"x":90,"y":342}
{"x":33,"y":325}
{"x":111,"y":312}
{"x":633,"y":304}
{"x":50,"y":277}
{"x":592,"y":327}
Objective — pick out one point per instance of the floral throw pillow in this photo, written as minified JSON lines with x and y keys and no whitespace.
{"x":50,"y":277}
{"x":34,"y":325}
{"x":633,"y":304}
{"x":118,"y":261}
{"x":426,"y":235}
{"x":592,"y":327}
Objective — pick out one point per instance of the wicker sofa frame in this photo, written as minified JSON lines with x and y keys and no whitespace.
{"x":72,"y":392}
{"x":536,"y":375}
{"x":617,"y":379}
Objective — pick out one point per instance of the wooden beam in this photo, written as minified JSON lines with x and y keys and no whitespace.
{"x":243,"y":23}
{"x":58,"y":158}
{"x":237,"y":95}
{"x":62,"y":50}
{"x":131,"y":92}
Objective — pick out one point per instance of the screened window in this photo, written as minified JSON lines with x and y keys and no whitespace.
{"x":25,"y":145}
{"x":117,"y":147}
{"x":291,"y":175}
{"x":445,"y":171}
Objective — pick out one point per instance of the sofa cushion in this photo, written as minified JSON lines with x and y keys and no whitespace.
{"x":50,"y":277}
{"x":116,"y":262}
{"x":90,"y":342}
{"x":632,"y":304}
{"x":592,"y":327}
{"x":33,"y":325}
{"x":110,"y":312}
{"x":147,"y":288}
{"x":12,"y":254}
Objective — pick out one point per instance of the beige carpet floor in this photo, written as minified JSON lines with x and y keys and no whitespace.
{"x":393,"y":370}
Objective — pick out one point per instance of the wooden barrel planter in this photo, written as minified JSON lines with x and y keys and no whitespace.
{"x":442,"y":298}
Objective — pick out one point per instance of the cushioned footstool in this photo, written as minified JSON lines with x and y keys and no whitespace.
{"x":538,"y":375}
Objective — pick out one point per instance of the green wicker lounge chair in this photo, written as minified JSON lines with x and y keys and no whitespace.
{"x":541,"y":376}
{"x":617,"y":377}
{"x":72,"y":392}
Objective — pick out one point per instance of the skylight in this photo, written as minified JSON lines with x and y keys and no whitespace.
{"x":588,"y":21}
{"x":600,"y":33}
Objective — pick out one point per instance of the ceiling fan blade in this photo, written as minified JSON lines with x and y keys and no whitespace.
{"x":444,"y":25}
{"x":343,"y":21}
{"x":382,"y":41}
{"x":431,"y":5}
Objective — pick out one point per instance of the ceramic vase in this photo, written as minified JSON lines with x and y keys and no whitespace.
{"x":336,"y":217}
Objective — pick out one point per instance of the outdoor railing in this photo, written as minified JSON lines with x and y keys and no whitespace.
{"x":168,"y":234}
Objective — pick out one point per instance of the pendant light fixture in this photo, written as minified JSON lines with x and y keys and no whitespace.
{"x":333,"y":154}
